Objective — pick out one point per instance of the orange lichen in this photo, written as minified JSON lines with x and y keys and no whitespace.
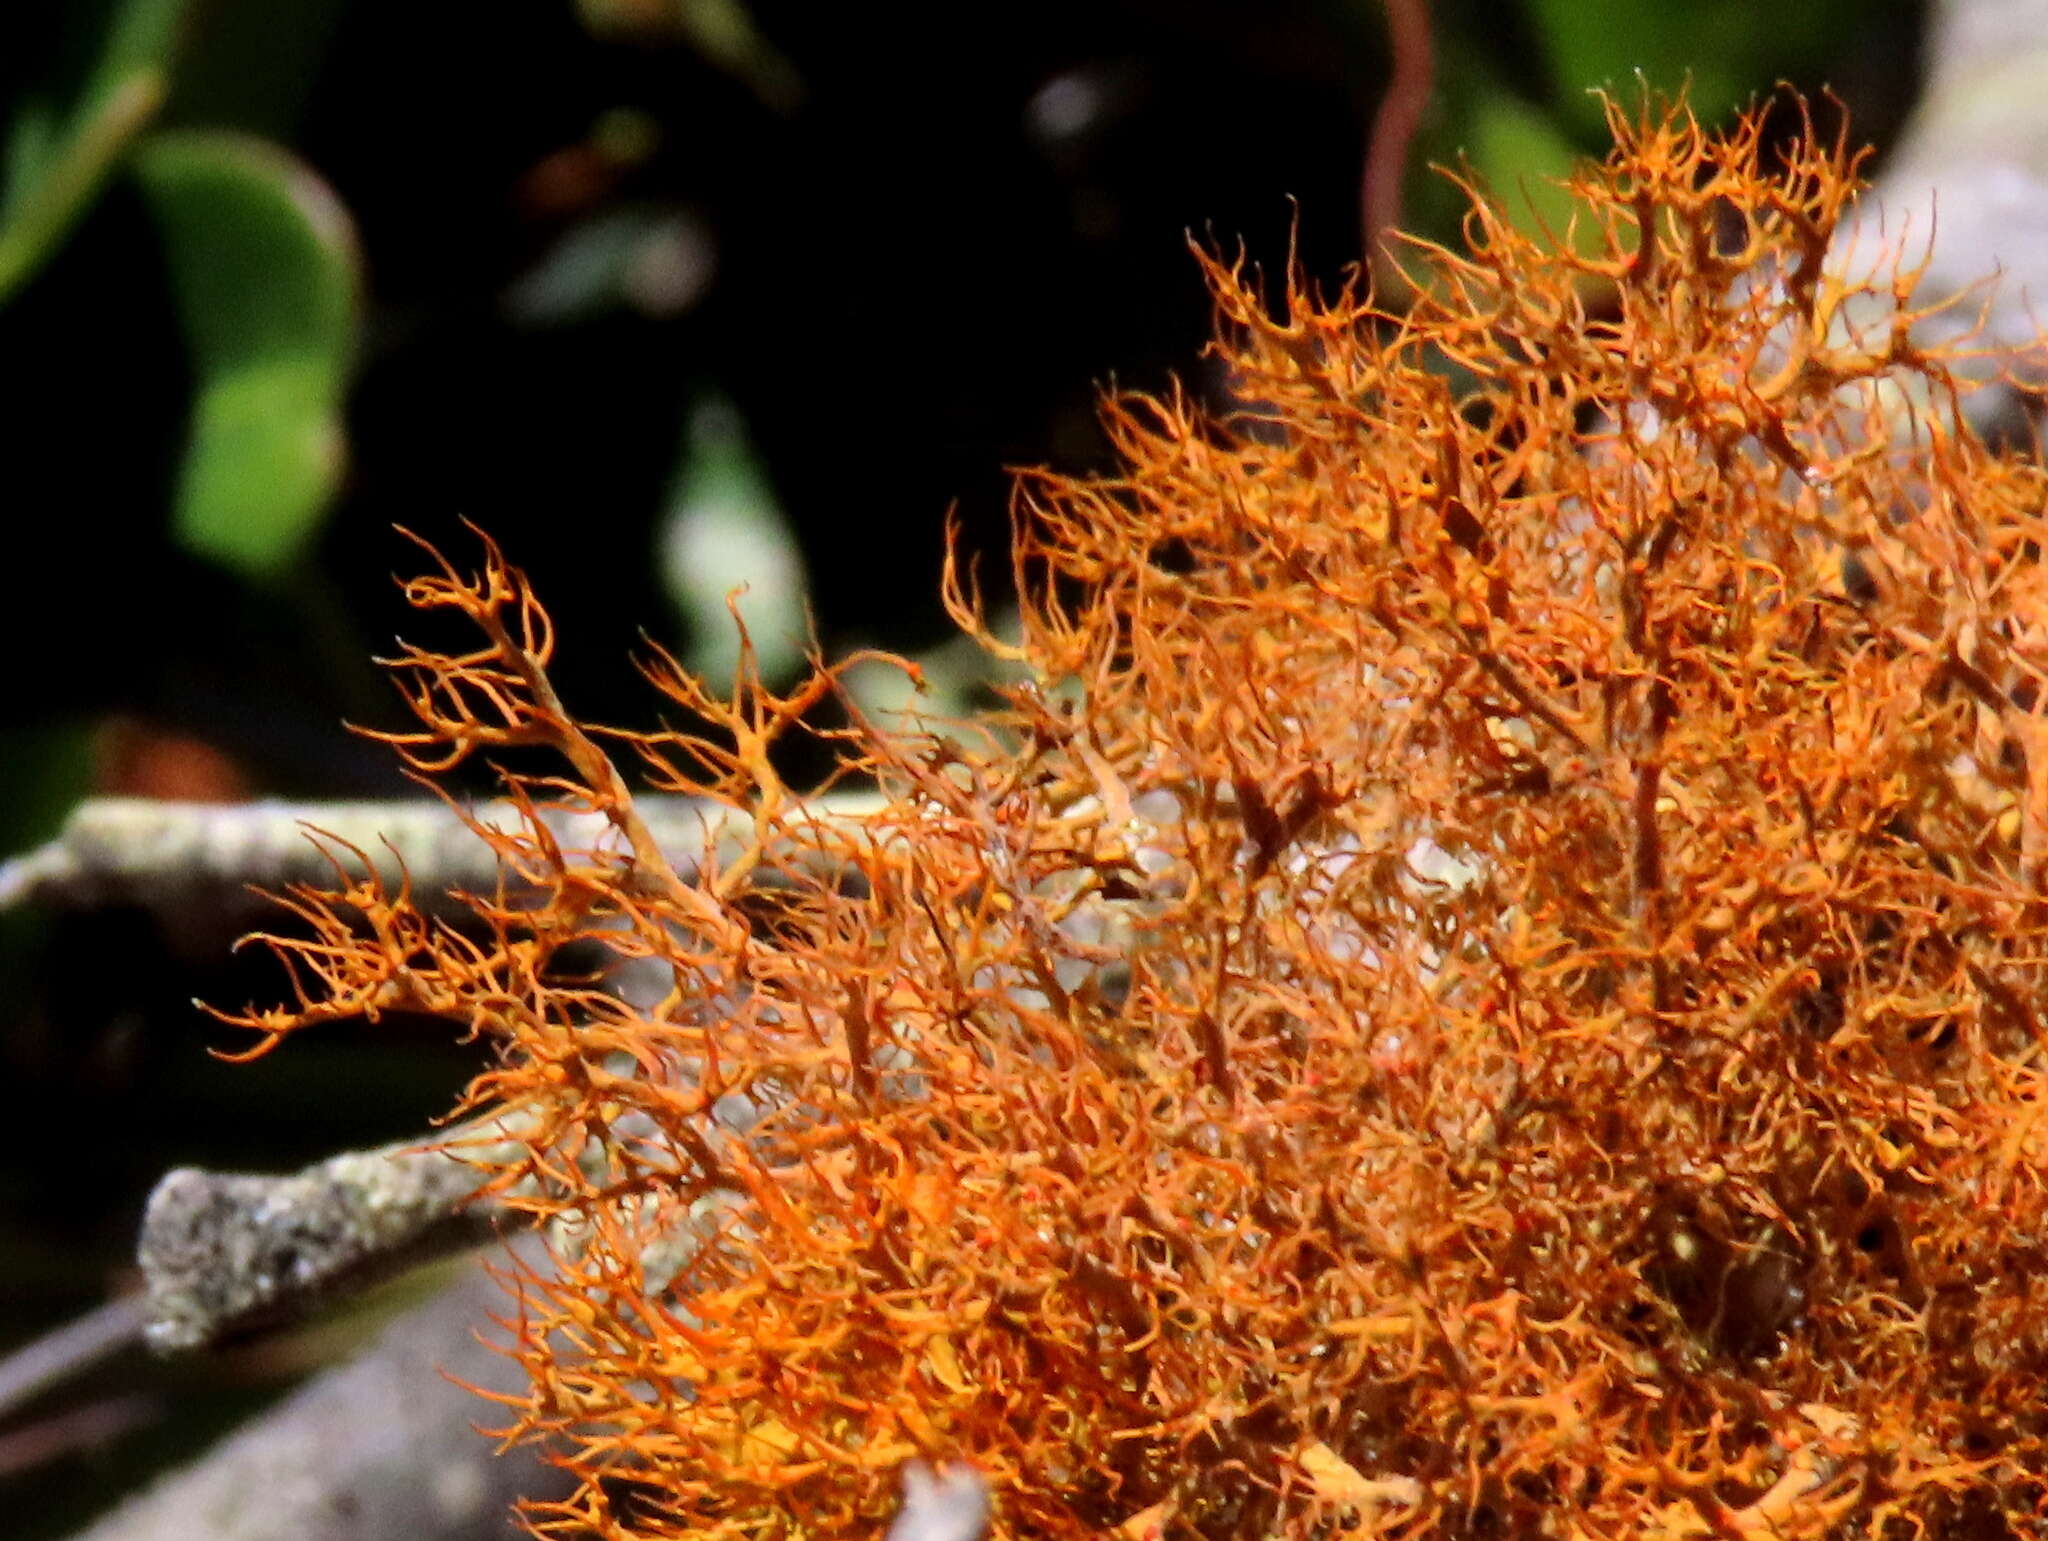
{"x":1488,"y":984}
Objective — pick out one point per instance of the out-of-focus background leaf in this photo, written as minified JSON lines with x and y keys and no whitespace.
{"x":675,"y":297}
{"x":262,"y":260}
{"x":1725,"y":52}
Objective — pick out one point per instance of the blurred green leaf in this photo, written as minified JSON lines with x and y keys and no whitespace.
{"x":724,"y":531}
{"x":58,"y":153}
{"x":1516,"y":151}
{"x":1523,"y":157}
{"x":1725,"y":51}
{"x":264,"y":265}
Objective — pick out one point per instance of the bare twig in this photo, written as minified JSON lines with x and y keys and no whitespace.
{"x":94,"y":1425}
{"x":1393,"y":132}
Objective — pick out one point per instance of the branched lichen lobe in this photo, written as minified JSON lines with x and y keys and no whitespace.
{"x":1486,"y":985}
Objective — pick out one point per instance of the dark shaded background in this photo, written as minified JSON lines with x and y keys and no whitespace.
{"x":908,"y":246}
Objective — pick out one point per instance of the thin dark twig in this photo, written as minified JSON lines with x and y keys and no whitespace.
{"x":1394,"y":124}
{"x":93,"y":1426}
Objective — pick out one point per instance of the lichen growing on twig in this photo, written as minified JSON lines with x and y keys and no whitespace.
{"x":1490,"y":984}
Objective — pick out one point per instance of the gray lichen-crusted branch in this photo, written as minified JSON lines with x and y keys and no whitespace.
{"x":225,"y":1252}
{"x":116,"y":850}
